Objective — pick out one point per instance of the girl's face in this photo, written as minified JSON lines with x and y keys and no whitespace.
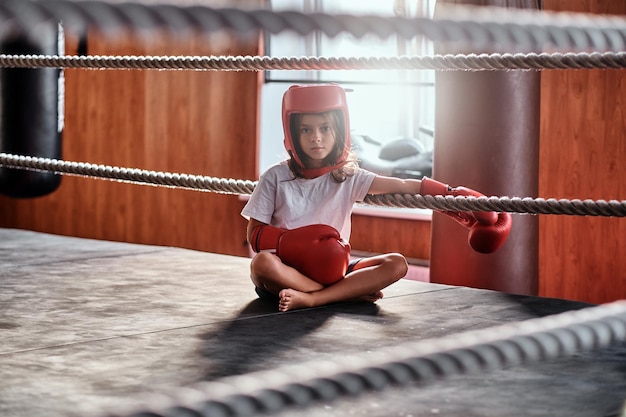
{"x":317,"y":138}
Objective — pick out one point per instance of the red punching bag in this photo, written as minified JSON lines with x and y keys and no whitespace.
{"x":31,"y":111}
{"x":487,"y":139}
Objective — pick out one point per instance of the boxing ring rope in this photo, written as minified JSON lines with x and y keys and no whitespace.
{"x":421,"y":362}
{"x":469,"y":62}
{"x":479,"y":25}
{"x":526,"y":205}
{"x":425,"y":361}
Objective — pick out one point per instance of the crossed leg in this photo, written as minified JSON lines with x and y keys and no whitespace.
{"x":295,"y":290}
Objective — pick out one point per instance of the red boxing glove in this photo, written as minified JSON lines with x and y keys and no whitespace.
{"x":488,"y":230}
{"x":488,"y":239}
{"x":317,"y":251}
{"x":466,"y":218}
{"x":265,"y":238}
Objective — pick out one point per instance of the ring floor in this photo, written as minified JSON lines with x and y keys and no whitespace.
{"x":89,"y":327}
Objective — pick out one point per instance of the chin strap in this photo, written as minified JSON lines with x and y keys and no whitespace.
{"x":318,"y":172}
{"x":310,"y":173}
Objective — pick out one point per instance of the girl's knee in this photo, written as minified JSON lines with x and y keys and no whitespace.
{"x":397,"y":262}
{"x":263,"y":264}
{"x":392,"y":265}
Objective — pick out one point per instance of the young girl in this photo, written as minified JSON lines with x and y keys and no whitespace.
{"x":318,"y":185}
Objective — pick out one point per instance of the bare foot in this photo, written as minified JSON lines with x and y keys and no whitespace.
{"x":371,"y":297}
{"x":291,"y":300}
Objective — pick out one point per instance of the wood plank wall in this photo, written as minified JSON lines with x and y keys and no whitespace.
{"x":193,"y":122}
{"x":582,"y":154}
{"x":380,"y":235}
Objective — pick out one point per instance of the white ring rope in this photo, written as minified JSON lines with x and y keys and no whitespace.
{"x":500,"y":347}
{"x":530,"y":30}
{"x":527,"y":205}
{"x":470,"y":62}
{"x":131,"y":175}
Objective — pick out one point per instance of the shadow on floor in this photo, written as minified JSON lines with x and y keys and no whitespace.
{"x":541,"y":307}
{"x":259,"y":337}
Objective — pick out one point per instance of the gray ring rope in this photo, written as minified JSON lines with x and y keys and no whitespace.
{"x":526,"y":205}
{"x":479,"y":25}
{"x":521,"y":205}
{"x":426,"y":361}
{"x":470,"y":62}
{"x":132,"y":175}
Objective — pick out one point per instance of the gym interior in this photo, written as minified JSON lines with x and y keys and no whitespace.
{"x":133,"y":299}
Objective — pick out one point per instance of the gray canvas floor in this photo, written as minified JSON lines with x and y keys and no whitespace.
{"x":90,"y":326}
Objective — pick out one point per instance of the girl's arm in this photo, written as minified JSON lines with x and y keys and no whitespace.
{"x":392,"y":185}
{"x":252,"y":224}
{"x":488,"y":230}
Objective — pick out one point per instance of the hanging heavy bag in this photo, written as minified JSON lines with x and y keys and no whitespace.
{"x":31,"y":111}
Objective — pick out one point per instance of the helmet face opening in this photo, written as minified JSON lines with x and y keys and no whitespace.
{"x":307,"y":99}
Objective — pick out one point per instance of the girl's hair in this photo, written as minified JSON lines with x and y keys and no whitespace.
{"x":335,"y":120}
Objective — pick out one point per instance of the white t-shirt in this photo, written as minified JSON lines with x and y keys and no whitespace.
{"x":281,"y":200}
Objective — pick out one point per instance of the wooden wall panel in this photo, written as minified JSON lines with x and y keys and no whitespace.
{"x":583,"y":148}
{"x":379,"y":235}
{"x":197,"y":122}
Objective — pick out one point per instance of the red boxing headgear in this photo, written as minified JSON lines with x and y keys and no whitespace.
{"x":315,"y":99}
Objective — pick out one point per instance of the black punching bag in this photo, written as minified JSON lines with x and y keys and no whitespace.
{"x":31,"y":111}
{"x":487,"y":139}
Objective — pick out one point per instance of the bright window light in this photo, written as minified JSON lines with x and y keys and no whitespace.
{"x":385,"y":105}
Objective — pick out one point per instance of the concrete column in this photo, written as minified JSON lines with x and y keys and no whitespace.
{"x":487,"y":138}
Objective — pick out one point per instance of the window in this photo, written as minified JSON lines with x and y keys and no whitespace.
{"x":391,"y":111}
